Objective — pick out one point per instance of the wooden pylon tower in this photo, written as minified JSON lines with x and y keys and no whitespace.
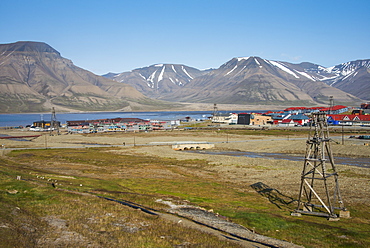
{"x":319,"y":189}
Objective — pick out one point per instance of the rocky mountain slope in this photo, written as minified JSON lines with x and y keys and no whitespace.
{"x":158,"y":80}
{"x":253,"y":80}
{"x":352,"y":77}
{"x":35,"y":77}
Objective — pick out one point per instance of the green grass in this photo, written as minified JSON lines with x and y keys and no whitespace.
{"x":143,"y":179}
{"x":99,"y":221}
{"x":22,"y":103}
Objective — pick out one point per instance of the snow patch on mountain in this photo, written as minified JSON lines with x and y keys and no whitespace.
{"x":236,"y":66}
{"x":349,"y":74}
{"x":343,"y":71}
{"x":142,"y":76}
{"x":242,"y":58}
{"x":281,"y":67}
{"x":117,"y":75}
{"x":327,"y":78}
{"x":173,"y":68}
{"x":160,"y":77}
{"x":258,"y":63}
{"x":184,"y":70}
{"x":151,"y":77}
{"x":306,"y":75}
{"x":240,"y":71}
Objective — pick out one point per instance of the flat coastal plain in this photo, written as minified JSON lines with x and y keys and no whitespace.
{"x":256,"y":193}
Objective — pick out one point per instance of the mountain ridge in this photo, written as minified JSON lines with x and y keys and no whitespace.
{"x":27,"y":46}
{"x":268,"y":81}
{"x":34,"y":77}
{"x":158,"y":79}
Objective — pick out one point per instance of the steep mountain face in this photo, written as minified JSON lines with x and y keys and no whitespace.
{"x":158,"y":80}
{"x":34,"y":77}
{"x":352,"y":77}
{"x":253,"y":80}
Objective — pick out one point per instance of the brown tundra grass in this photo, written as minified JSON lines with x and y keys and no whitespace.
{"x":55,"y":203}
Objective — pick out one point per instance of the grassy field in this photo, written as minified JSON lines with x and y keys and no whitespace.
{"x":55,"y":203}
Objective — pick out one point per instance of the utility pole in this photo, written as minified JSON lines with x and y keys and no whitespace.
{"x":342,"y":135}
{"x":54,"y":125}
{"x":215,"y":113}
{"x":331,"y":104}
{"x":319,"y":190}
{"x":215,"y":109}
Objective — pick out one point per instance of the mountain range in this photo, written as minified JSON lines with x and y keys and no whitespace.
{"x":34,"y":77}
{"x":253,"y":80}
{"x":158,"y":80}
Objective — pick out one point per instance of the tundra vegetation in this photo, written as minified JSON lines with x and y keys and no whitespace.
{"x":55,"y":201}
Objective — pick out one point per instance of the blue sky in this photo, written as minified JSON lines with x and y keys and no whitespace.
{"x":116,"y":36}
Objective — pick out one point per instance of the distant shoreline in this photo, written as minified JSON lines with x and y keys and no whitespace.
{"x":187,"y":107}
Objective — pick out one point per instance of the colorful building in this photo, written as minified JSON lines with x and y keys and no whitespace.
{"x":349,"y":120}
{"x":254,"y":119}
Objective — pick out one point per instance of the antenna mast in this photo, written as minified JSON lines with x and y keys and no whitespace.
{"x":331,"y":105}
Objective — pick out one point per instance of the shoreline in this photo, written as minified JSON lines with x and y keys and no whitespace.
{"x":187,"y":107}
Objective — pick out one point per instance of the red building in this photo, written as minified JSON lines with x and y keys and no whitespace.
{"x":349,"y":120}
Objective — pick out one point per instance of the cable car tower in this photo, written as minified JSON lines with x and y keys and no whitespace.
{"x":319,"y":189}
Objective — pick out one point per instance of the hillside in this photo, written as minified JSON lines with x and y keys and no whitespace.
{"x":253,"y":80}
{"x":157,"y":80}
{"x":35,"y":77}
{"x":352,"y":77}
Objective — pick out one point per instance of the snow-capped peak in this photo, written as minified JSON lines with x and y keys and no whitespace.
{"x":242,"y":58}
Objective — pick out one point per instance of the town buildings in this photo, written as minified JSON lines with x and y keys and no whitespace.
{"x":254,"y":119}
{"x":118,"y":125}
{"x":349,"y":120}
{"x":298,"y":116}
{"x":289,"y":117}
